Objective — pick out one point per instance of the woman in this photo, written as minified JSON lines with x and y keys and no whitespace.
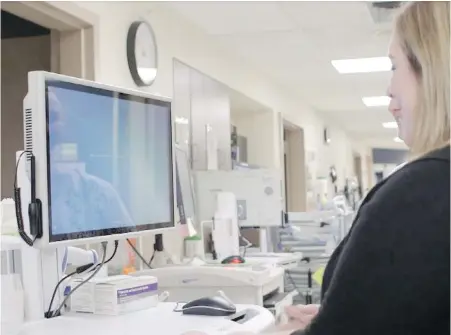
{"x":390,"y":275}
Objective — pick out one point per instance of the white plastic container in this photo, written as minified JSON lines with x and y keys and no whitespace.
{"x":194,"y":248}
{"x":12,"y":304}
{"x":8,"y":217}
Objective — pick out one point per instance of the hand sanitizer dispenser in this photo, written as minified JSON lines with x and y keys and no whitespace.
{"x":225,"y":226}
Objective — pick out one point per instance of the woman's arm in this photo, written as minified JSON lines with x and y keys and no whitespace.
{"x":392,"y":277}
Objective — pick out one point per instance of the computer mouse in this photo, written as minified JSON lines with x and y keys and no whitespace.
{"x":210,"y":306}
{"x":233,"y":260}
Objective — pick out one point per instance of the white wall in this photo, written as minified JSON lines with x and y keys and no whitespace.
{"x":259,"y":130}
{"x":179,"y":39}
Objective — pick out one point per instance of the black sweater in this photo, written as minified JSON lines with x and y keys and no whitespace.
{"x":391,"y":274}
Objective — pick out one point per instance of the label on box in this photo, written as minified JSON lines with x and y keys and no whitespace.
{"x":139,"y":292}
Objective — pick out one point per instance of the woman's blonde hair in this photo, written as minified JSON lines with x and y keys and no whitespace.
{"x":423,"y":29}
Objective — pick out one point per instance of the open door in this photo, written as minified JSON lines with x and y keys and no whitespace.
{"x":38,"y":36}
{"x":369,"y":170}
{"x":294,"y":167}
{"x":358,"y":170}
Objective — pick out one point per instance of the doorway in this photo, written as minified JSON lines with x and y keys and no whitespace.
{"x":37,"y":36}
{"x":358,"y":172}
{"x":294,"y":168}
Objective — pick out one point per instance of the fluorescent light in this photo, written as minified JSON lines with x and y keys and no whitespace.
{"x":181,"y":120}
{"x":362,"y":65}
{"x":376,"y":101}
{"x":397,"y":139}
{"x":390,"y":125}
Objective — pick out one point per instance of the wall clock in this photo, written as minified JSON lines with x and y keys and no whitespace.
{"x":142,"y":55}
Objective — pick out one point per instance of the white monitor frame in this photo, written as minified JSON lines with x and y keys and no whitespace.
{"x":183,"y":163}
{"x":260,"y":209}
{"x":37,"y":143}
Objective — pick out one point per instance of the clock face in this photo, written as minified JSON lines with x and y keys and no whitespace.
{"x":142,"y":53}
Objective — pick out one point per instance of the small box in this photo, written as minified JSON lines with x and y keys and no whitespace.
{"x":124,"y":295}
{"x":115,"y":295}
{"x":82,"y":300}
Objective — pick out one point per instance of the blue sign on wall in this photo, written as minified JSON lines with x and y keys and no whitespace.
{"x":389,"y":156}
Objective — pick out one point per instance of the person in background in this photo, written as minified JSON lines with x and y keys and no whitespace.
{"x":391,"y":274}
{"x":81,"y":202}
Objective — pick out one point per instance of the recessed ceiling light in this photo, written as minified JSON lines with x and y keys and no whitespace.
{"x":390,"y":125}
{"x":376,"y":101}
{"x":397,"y":139}
{"x":362,"y":65}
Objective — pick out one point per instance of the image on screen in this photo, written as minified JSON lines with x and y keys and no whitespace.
{"x":110,"y":168}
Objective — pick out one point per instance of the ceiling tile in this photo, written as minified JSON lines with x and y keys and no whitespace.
{"x":320,"y":14}
{"x":293,"y":43}
{"x":229,"y":17}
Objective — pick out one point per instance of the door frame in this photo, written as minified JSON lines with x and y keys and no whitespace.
{"x":294,"y":168}
{"x":72,"y":28}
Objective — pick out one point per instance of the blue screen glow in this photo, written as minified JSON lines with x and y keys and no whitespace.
{"x":110,"y":162}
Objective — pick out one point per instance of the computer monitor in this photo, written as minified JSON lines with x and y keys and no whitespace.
{"x":258,"y":194}
{"x":103,"y":159}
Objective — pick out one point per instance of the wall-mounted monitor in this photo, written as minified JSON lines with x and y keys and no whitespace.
{"x":103,"y":157}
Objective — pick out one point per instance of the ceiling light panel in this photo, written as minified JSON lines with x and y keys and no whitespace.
{"x":376,"y":101}
{"x":362,"y":65}
{"x":390,"y":125}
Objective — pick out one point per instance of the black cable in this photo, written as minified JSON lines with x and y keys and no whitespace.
{"x":139,"y":254}
{"x":309,"y":298}
{"x":104,"y":245}
{"x":287,"y":272}
{"x":79,"y":270}
{"x":309,"y":280}
{"x":116,"y":244}
{"x":17,"y":167}
{"x":177,"y":305}
{"x":18,"y":206}
{"x":152,"y":257}
{"x":48,"y":315}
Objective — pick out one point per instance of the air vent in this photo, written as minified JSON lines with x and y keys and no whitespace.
{"x":387,"y":5}
{"x":383,"y":11}
{"x":28,"y":132}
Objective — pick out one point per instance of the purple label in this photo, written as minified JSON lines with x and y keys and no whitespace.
{"x":137,"y":290}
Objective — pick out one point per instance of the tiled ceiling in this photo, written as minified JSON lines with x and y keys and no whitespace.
{"x":294,"y":43}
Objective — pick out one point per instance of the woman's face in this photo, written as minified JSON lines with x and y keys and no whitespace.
{"x":403,"y":91}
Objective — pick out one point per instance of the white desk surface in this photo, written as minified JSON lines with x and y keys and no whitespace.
{"x":159,"y":320}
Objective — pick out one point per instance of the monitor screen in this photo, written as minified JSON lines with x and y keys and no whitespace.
{"x":109,"y":156}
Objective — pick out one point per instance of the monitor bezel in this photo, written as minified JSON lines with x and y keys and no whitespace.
{"x":179,"y":149}
{"x":37,"y":99}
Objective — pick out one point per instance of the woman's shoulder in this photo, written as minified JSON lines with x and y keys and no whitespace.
{"x":424,"y":176}
{"x":416,"y":194}
{"x":432,"y":166}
